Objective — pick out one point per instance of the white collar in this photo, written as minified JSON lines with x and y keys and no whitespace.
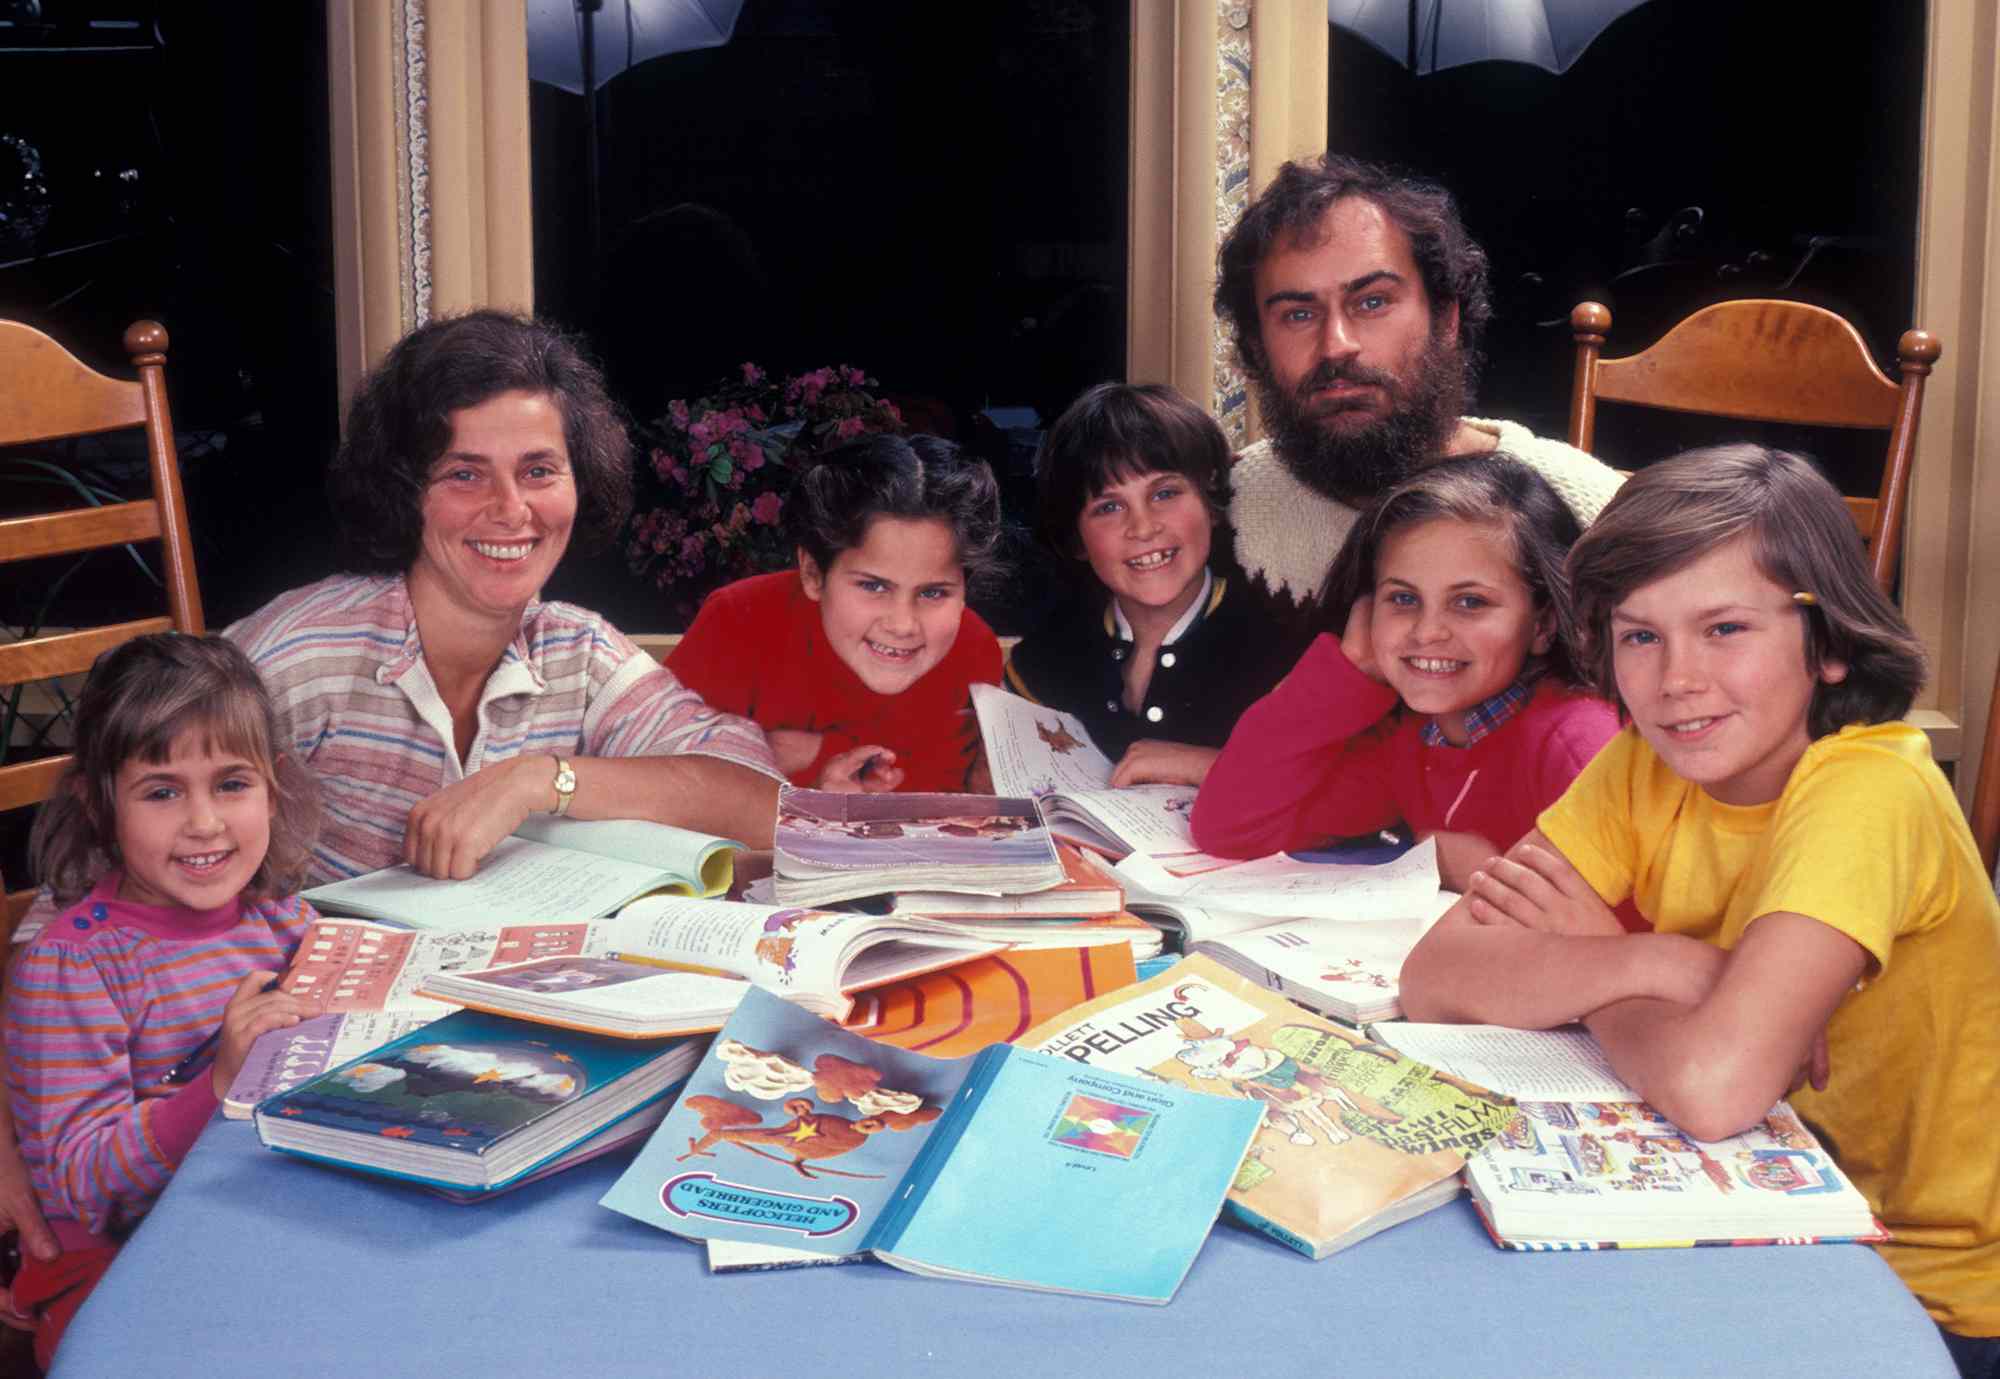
{"x":1188,"y":619}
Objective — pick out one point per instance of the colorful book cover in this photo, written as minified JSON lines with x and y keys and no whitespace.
{"x":1593,"y":1175}
{"x":991,"y":1000}
{"x":1355,"y":1137}
{"x":466,"y":1087}
{"x":1007,"y":1167}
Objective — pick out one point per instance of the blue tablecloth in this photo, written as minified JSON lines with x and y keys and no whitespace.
{"x":256,"y":1264}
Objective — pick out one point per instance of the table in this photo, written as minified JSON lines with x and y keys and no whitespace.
{"x":256,"y":1264}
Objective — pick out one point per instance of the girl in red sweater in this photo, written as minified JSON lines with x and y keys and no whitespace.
{"x":1449,"y":701}
{"x":859,"y":664}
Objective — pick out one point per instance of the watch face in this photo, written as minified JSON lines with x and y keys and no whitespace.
{"x":565,"y":780}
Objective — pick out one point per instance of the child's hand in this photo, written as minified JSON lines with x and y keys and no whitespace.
{"x":868,"y":769}
{"x":1149,"y":761}
{"x":252,"y":1011}
{"x":1535,"y":887}
{"x":795,"y":748}
{"x":1357,"y":643}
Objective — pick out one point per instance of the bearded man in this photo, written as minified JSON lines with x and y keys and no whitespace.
{"x":1358,"y":301}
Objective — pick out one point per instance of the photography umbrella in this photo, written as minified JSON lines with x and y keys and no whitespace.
{"x":1430,"y":35}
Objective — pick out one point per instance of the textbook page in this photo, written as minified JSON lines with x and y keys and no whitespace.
{"x":1032,"y":750}
{"x":1527,"y":1064}
{"x":694,"y":856}
{"x":1285,"y":888}
{"x":520,"y":880}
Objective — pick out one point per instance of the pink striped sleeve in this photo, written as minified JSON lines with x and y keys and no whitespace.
{"x":83,"y":1132}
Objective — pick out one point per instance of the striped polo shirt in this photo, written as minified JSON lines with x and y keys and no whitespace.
{"x":356,"y":703}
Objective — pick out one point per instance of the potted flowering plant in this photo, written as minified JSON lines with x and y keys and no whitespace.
{"x":724,"y":465}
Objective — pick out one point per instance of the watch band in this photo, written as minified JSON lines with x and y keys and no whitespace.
{"x":565,"y":786}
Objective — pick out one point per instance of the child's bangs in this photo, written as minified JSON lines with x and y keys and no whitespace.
{"x":229,"y":724}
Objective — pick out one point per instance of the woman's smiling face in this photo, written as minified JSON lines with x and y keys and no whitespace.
{"x":498,"y":507}
{"x":890,"y":607}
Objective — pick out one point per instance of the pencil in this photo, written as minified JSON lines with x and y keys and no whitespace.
{"x":644,"y":961}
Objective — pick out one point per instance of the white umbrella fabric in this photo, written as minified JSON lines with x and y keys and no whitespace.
{"x":625,"y":33}
{"x":1550,"y":34}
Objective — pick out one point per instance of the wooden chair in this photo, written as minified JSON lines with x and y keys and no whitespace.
{"x":47,"y":394}
{"x":1764,"y":360}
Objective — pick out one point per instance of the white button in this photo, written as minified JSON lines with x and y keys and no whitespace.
{"x":1111,"y":704}
{"x":1166,"y":658}
{"x":1155,"y":714}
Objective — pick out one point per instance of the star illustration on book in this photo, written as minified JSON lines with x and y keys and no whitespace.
{"x":810,"y":1133}
{"x":1057,"y":739}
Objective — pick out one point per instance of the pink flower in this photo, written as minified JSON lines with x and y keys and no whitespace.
{"x":767,"y":509}
{"x":752,"y":374}
{"x":678,"y":411}
{"x":752,"y":458}
{"x":849,"y":428}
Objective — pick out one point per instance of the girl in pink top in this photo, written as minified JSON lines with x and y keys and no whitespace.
{"x":175,"y":839}
{"x":1448,"y":702}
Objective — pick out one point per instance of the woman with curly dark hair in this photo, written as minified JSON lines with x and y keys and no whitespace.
{"x":439,"y":700}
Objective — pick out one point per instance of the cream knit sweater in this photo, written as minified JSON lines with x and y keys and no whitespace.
{"x":1287,"y":534}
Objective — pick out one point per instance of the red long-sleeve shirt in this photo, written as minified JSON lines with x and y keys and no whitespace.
{"x":757,"y":649}
{"x":1317,"y":758}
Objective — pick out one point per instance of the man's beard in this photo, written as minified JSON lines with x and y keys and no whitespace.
{"x":1357,"y":466}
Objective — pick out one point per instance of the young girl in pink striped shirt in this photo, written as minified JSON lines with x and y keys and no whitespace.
{"x":174,"y":840}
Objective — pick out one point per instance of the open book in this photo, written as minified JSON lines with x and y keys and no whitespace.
{"x":1008,"y":1167}
{"x":1355,"y":1138}
{"x":362,"y":980}
{"x":1588,"y":1165}
{"x":832,"y":846}
{"x":550,"y":869}
{"x":677,"y":964}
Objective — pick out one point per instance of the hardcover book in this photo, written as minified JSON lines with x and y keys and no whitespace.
{"x":1008,"y":1167}
{"x":1587,"y":1165}
{"x":1355,"y":1138}
{"x":471,"y":1101}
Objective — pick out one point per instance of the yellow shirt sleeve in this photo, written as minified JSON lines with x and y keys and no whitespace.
{"x":1857,"y":845}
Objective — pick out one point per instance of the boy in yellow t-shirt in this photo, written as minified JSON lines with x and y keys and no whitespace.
{"x":1820,"y":914}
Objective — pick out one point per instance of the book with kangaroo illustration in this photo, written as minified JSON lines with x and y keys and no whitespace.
{"x":471,"y":1101}
{"x":1008,"y":1167}
{"x":1355,"y":1138}
{"x":949,"y":1014}
{"x":1587,"y":1165}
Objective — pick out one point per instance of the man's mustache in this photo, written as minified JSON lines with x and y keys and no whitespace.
{"x":1327,"y":373}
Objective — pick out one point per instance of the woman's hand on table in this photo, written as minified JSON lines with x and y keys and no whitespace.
{"x":450,"y":833}
{"x":1153,"y":762}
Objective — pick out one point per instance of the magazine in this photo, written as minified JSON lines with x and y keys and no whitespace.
{"x":1008,"y":1167}
{"x":832,"y":846}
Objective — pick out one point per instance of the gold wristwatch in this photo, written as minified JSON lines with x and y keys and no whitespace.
{"x":565,"y":784}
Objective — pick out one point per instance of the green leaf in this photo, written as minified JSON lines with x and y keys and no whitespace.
{"x":720,"y":466}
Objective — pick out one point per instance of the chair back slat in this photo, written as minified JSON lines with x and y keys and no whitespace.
{"x":84,"y":529}
{"x":50,"y":393}
{"x":1772,"y":361}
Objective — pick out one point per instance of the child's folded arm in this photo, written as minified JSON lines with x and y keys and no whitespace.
{"x":1715,"y":1066}
{"x":1463,"y":971}
{"x":1292,"y":771}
